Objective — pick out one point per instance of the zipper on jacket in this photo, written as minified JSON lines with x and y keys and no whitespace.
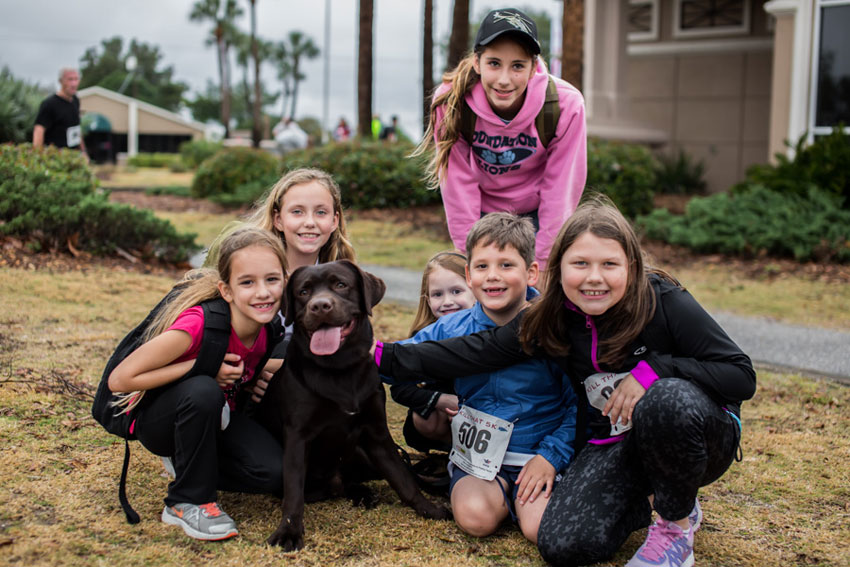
{"x":594,"y":341}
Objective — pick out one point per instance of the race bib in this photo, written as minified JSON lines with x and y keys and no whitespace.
{"x":479,"y":442}
{"x":599,"y":388}
{"x":74,"y":134}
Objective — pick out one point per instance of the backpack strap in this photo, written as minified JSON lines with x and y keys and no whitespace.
{"x":547,"y":119}
{"x":215,"y":339}
{"x":132,"y":516}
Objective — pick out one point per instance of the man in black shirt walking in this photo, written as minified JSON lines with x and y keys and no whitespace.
{"x":58,"y":120}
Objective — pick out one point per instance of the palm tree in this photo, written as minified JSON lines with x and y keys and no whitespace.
{"x":572,"y":44}
{"x":364,"y":70}
{"x":459,"y":40}
{"x":222,"y":36}
{"x":300,"y":46}
{"x":256,"y":132}
{"x":427,"y":63}
{"x":284,"y":73}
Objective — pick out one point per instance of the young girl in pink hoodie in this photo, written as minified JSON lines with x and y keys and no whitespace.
{"x":506,"y":167}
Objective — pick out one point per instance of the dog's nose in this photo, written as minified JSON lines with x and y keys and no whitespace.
{"x":320,"y":305}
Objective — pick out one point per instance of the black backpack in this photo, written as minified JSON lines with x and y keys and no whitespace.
{"x":546,"y":121}
{"x":214,"y":342}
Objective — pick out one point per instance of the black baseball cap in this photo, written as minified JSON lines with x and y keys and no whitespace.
{"x":508,"y":20}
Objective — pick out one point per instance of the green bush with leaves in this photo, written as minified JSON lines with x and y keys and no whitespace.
{"x":624,"y":172}
{"x":370,"y":174}
{"x":824,"y":164}
{"x":194,"y":152}
{"x":19,"y":102}
{"x":155,"y":159}
{"x":679,"y":174}
{"x":49,"y":198}
{"x":226,"y":171}
{"x":759,"y":221}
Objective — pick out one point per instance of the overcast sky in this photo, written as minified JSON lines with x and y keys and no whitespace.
{"x":37,"y":37}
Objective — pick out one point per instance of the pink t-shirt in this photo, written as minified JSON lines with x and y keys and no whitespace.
{"x":192,"y":322}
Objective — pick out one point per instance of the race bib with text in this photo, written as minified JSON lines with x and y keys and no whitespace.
{"x":479,"y":442}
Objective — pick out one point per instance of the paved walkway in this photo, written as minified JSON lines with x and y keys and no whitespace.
{"x":817,"y":352}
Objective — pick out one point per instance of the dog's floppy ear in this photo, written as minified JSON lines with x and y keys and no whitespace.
{"x":373,"y":287}
{"x":289,"y":297}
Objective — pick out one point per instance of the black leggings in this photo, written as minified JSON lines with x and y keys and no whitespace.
{"x":183,"y":421}
{"x":681,"y":440}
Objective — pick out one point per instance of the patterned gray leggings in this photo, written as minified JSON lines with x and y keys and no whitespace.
{"x":681,"y":440}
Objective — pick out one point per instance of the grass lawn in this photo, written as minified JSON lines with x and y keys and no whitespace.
{"x":785,"y":503}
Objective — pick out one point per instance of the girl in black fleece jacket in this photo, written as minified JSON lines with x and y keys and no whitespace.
{"x":659,"y":382}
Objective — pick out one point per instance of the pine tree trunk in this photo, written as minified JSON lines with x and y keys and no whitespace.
{"x":427,"y":63}
{"x":364,"y":70}
{"x":459,"y":40}
{"x":572,"y":44}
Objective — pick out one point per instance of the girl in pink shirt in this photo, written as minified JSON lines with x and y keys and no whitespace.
{"x":192,"y":420}
{"x":506,"y":166}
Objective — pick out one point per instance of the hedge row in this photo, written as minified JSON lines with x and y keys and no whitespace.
{"x":49,"y":198}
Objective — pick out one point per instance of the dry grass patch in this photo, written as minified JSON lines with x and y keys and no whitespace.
{"x":123,"y":177}
{"x":786,"y":503}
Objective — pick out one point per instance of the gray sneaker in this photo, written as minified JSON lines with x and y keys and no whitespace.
{"x":201,"y":521}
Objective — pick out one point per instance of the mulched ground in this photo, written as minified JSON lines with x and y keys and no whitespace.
{"x":15,"y":253}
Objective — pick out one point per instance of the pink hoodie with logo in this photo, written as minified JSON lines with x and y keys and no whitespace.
{"x":508,"y":169}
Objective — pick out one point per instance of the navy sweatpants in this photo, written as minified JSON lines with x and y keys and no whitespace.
{"x":681,"y":440}
{"x":183,"y":421}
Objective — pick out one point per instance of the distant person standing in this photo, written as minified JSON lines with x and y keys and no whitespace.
{"x":390,"y":133}
{"x":58,"y":120}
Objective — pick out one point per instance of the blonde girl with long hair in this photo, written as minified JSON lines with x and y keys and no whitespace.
{"x":443,"y":291}
{"x":501,"y":88}
{"x":304,"y":209}
{"x":194,"y":420}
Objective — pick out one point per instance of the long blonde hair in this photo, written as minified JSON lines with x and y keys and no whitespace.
{"x":269,"y":206}
{"x":452,"y":261}
{"x":201,"y":285}
{"x":461,"y":80}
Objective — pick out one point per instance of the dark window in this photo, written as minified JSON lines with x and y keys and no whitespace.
{"x":709,"y":14}
{"x":833,"y":82}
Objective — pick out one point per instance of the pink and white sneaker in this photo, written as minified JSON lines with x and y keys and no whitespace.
{"x":666,"y":545}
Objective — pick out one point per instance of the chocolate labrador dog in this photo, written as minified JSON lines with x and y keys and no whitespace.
{"x":327,"y":404}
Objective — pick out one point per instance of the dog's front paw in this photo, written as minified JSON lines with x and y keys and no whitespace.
{"x":289,"y":535}
{"x":361,"y":496}
{"x":428,"y":509}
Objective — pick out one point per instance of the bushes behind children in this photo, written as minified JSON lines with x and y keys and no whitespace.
{"x":49,"y":199}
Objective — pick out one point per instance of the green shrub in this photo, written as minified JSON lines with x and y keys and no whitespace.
{"x":156,"y":159}
{"x":49,"y":197}
{"x":824,"y":164}
{"x":624,"y":172}
{"x":230,"y":168}
{"x":175,"y":190}
{"x":194,"y":152}
{"x":370,"y":174}
{"x":19,"y":102}
{"x":679,"y":174}
{"x":760,"y":221}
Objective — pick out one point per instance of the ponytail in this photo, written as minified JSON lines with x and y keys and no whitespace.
{"x":461,"y":81}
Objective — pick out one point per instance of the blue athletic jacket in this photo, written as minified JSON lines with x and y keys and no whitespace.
{"x":535,"y":394}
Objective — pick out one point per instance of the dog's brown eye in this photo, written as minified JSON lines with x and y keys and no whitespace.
{"x":341,"y":285}
{"x":303,"y":292}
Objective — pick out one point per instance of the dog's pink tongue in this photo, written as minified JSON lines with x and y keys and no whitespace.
{"x":325,"y":341}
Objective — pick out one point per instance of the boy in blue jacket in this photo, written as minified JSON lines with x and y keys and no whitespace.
{"x":514,"y":429}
